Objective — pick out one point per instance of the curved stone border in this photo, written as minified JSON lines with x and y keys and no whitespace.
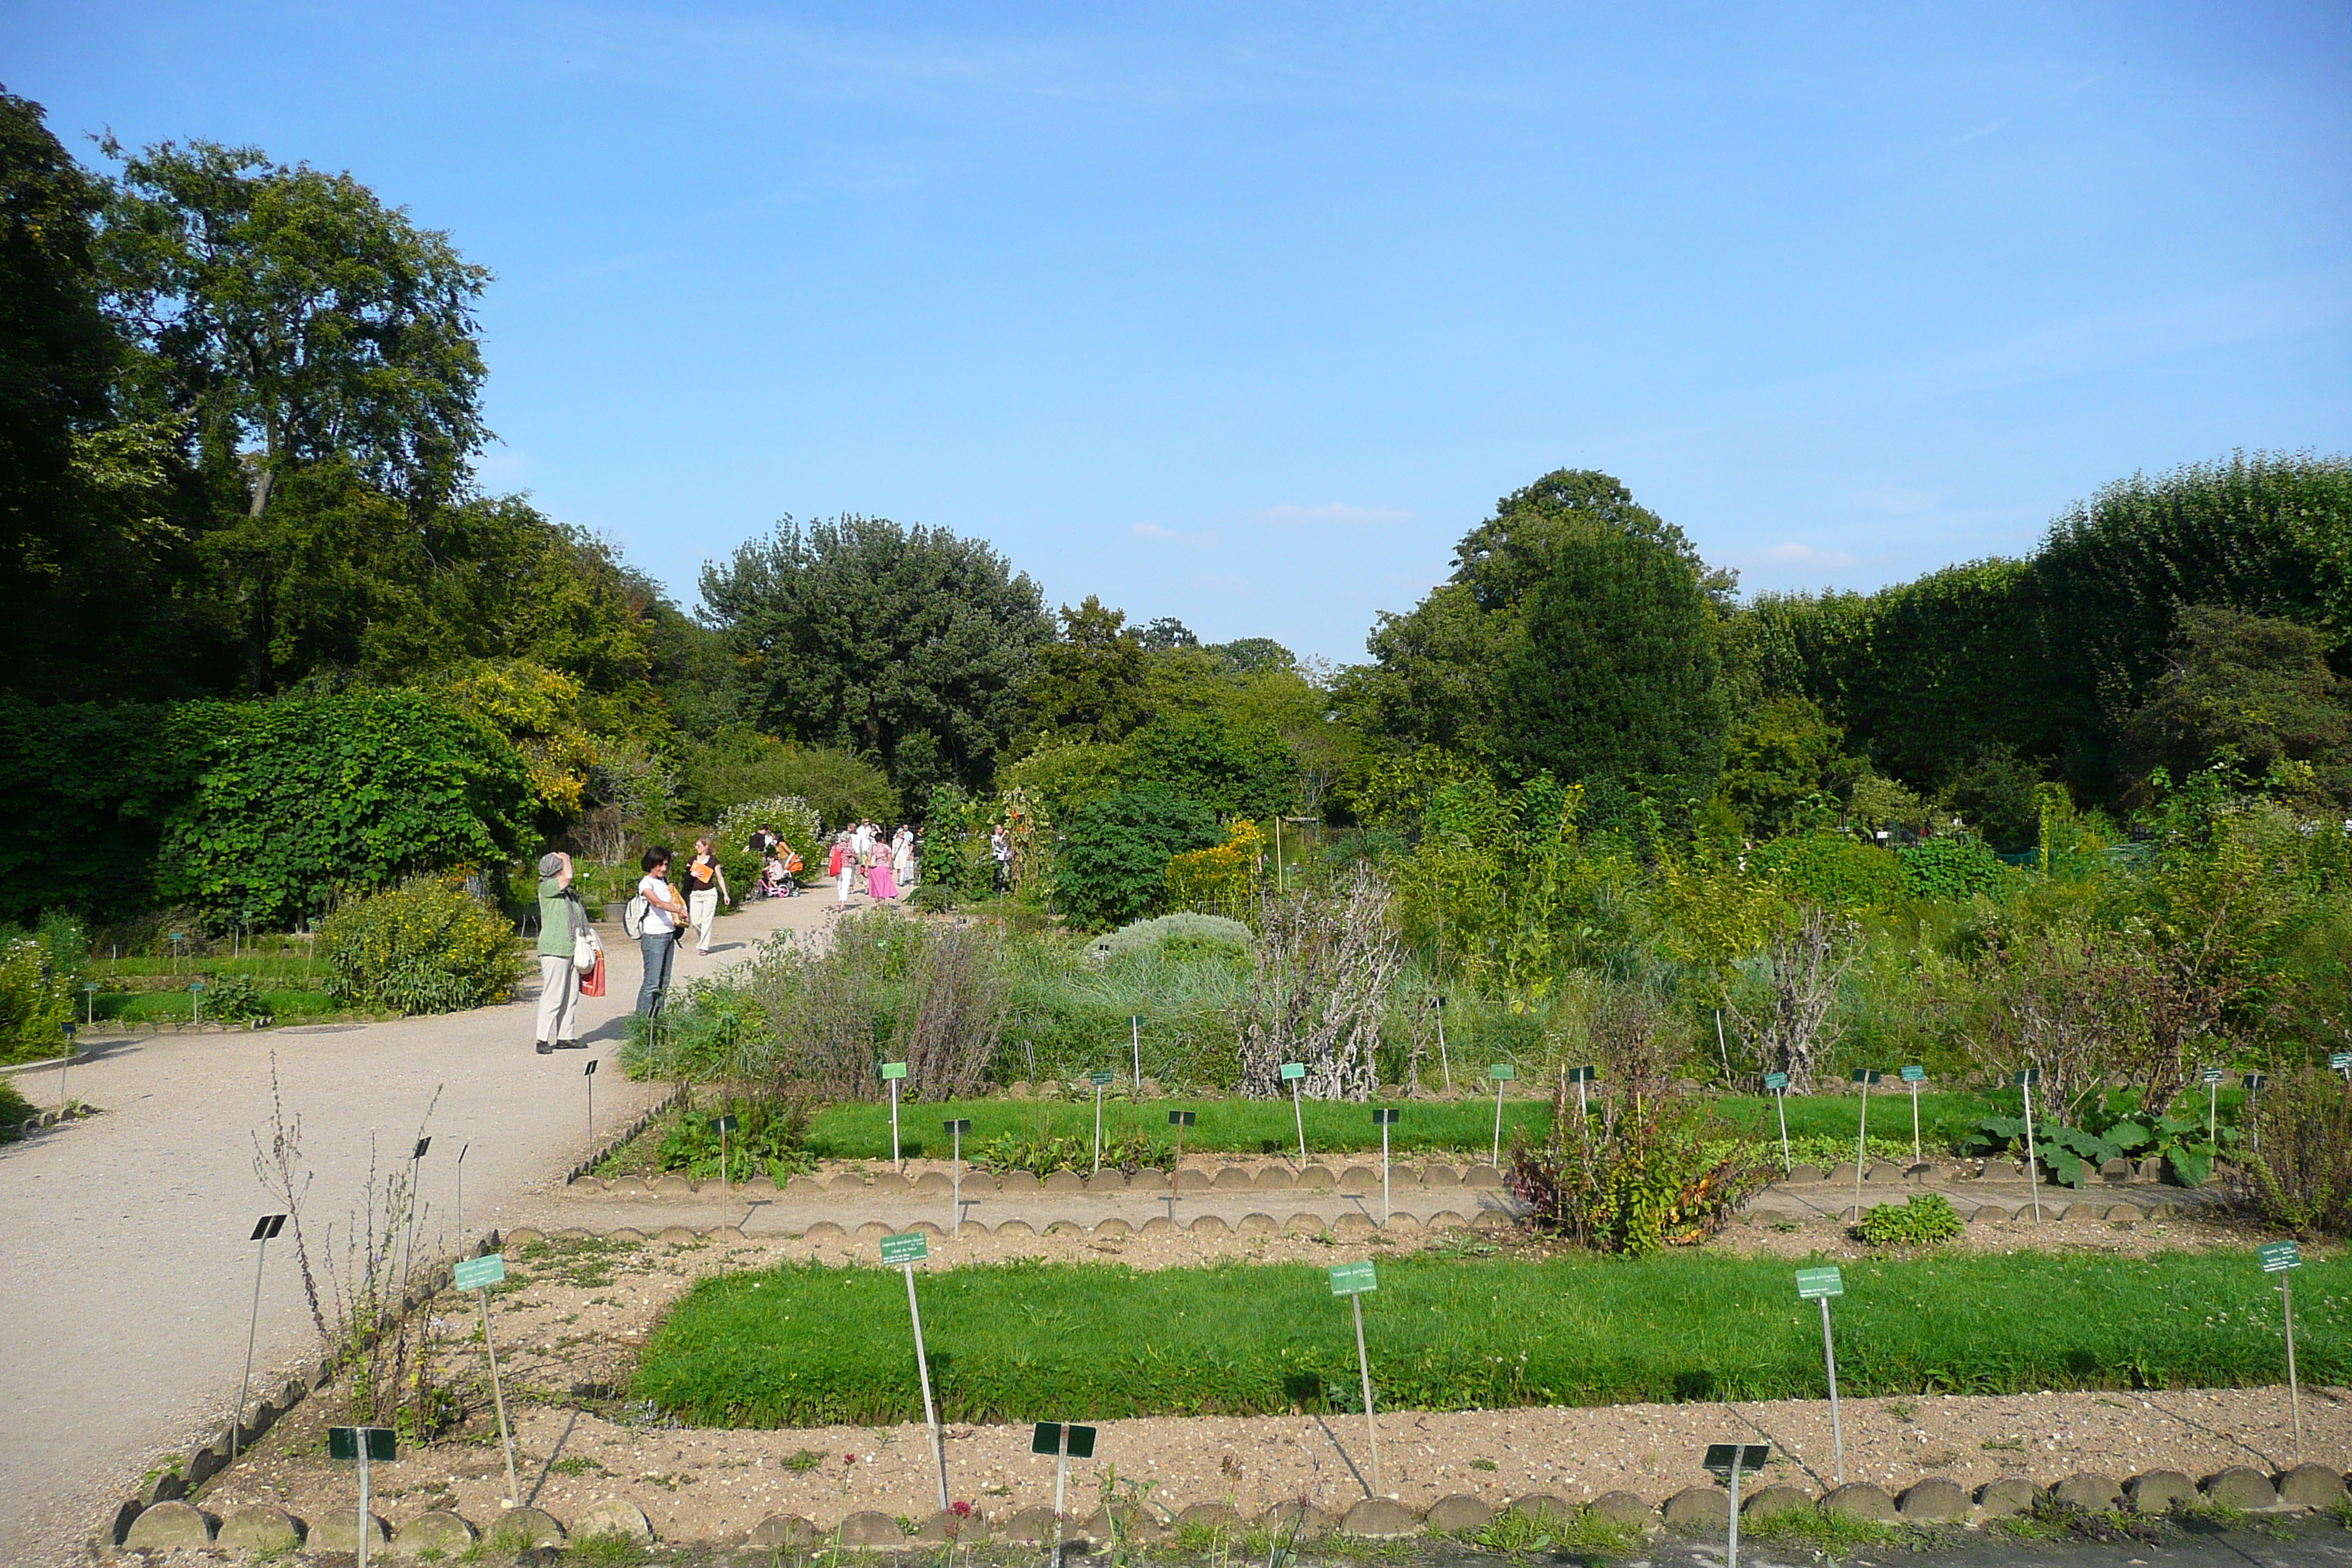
{"x":168,"y":1524}
{"x":597,"y":1157}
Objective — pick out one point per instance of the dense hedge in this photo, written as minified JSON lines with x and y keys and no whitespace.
{"x":257,"y":812}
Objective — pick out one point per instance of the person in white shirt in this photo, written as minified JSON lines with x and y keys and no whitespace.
{"x":665,"y":911}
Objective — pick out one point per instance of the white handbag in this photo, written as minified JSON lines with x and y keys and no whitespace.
{"x":585,"y":948}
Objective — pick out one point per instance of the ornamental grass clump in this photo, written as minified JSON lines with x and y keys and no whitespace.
{"x":423,"y":947}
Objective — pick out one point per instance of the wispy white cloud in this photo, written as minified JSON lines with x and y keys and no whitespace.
{"x":1336,"y":514}
{"x":1175,"y":536}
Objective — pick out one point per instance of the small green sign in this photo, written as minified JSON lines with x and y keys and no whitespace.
{"x":1915,"y":1075}
{"x":343,"y":1443}
{"x":894,"y":1070}
{"x":481,"y":1273}
{"x":1776,"y":1082}
{"x":2279,"y":1257}
{"x":957,"y":1128}
{"x":2209,"y":1076}
{"x":1867,"y":1074}
{"x":1382,"y":1117}
{"x":1501,"y":1072}
{"x":1047,"y":1439}
{"x":1182,"y":1118}
{"x":1353,"y":1279}
{"x":1293,"y":1071}
{"x":2027,"y":1078}
{"x":1102,"y":1079}
{"x":724,"y":1124}
{"x":1813,"y":1284}
{"x":2255,"y":1082}
{"x":1581,"y":1075}
{"x":2337,"y":1060}
{"x":913,"y":1246}
{"x":1747,"y":1458}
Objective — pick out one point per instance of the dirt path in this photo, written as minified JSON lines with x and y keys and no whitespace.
{"x":130,"y":1278}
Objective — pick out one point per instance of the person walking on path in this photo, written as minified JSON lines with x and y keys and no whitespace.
{"x":840,"y":866}
{"x":562,"y":922}
{"x":706,"y":884}
{"x":658,"y":936}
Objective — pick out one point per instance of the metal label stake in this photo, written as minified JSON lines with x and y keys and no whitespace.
{"x":477,"y":1275}
{"x":2213,"y":1076}
{"x":893,"y":1074}
{"x":904,"y":1252}
{"x":363,"y":1443}
{"x":461,"y":1195}
{"x":1384,"y":1119}
{"x":2253,"y":1081}
{"x":1580,"y":1077}
{"x":2282,"y":1258}
{"x":590,"y":1074}
{"x":1351,"y":1280}
{"x":1294,"y":1074}
{"x":1912,"y":1078}
{"x":1064,"y":1442}
{"x":1728,"y":1460}
{"x":1502,"y":1073}
{"x":1819,"y":1285}
{"x":1444,"y":1061}
{"x":1101,"y":1079}
{"x":1135,"y":1042}
{"x":2025,"y":1078}
{"x":725,"y":1125}
{"x":265,"y":1230}
{"x":955,"y":1130}
{"x":1864,"y":1076}
{"x":1778,"y":1082}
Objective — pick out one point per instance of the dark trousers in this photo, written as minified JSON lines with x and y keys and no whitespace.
{"x":658,"y":949}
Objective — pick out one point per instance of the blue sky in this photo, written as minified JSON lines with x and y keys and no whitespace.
{"x":1245,"y":314}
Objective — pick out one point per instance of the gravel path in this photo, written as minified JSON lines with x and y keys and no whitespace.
{"x":130,"y":1278}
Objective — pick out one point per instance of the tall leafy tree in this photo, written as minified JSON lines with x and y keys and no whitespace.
{"x":321,"y":347}
{"x":909,"y":645}
{"x":2250,"y":689}
{"x":1087,"y":684}
{"x":1615,"y":675}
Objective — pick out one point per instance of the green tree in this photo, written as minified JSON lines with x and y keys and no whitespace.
{"x":2251,"y":690}
{"x":1615,"y":675}
{"x":1234,"y":769}
{"x":1781,"y":756}
{"x":1115,"y":853}
{"x":1166,"y":633}
{"x":1087,"y":684}
{"x":907,"y":645}
{"x":739,"y":764}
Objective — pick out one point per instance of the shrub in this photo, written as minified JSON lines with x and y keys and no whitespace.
{"x":769,"y":1137}
{"x":1220,"y":882}
{"x":425,"y":947}
{"x":1955,"y":865}
{"x":34,"y":1004}
{"x":1922,"y":1220}
{"x":1114,"y":861}
{"x":2300,"y":1177}
{"x":1140,"y":935}
{"x":794,"y":821}
{"x":234,"y":999}
{"x":14,"y":1109}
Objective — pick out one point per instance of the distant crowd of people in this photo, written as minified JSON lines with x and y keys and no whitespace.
{"x":572,"y":956}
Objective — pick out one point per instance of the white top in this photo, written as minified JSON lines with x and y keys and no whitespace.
{"x":658,"y":920}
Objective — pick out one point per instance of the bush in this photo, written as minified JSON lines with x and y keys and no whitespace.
{"x":771,"y":1137}
{"x":1922,"y":1220}
{"x":1114,"y":861}
{"x":1957,"y":866}
{"x":425,"y":947}
{"x":234,"y":999}
{"x":2300,"y":1178}
{"x":794,"y":820}
{"x":14,"y":1109}
{"x":34,"y":1006}
{"x":1213,"y":930}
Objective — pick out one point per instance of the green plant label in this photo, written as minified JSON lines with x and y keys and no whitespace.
{"x":481,"y":1273}
{"x":343,"y":1443}
{"x":1047,"y":1439}
{"x":1814,"y":1284}
{"x":196,"y":985}
{"x":1182,"y":1118}
{"x":2255,"y":1082}
{"x":2209,"y":1076}
{"x":2337,"y":1060}
{"x":2027,"y":1078}
{"x":894,"y":1070}
{"x":961,"y":1125}
{"x":2279,"y":1257}
{"x":1915,"y":1075}
{"x":1384,"y":1118}
{"x":1723,"y":1457}
{"x":1501,"y":1072}
{"x":911,"y":1247}
{"x":1102,"y":1080}
{"x":1581,"y":1075}
{"x":1293,"y":1071}
{"x":1353,"y":1279}
{"x":724,"y":1124}
{"x":1776,"y":1082}
{"x":1867,"y":1074}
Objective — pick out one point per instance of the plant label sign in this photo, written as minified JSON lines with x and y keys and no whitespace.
{"x":1776,"y":1082}
{"x":2027,"y":1078}
{"x":1501,"y":1072}
{"x":894,"y":1070}
{"x":1817,"y":1284}
{"x":959,"y":1127}
{"x":1867,"y":1074}
{"x":266,"y":1227}
{"x":1183,"y":1118}
{"x":2339,"y":1060}
{"x":1915,"y":1075}
{"x":1385,"y":1118}
{"x":1722,"y":1459}
{"x":2255,"y":1082}
{"x":1293,"y":1071}
{"x":1353,"y":1279}
{"x":912,"y":1246}
{"x":481,"y":1273}
{"x":1102,"y":1077}
{"x":343,"y":1443}
{"x":1048,"y":1436}
{"x":1581,"y":1074}
{"x":2211,"y":1077}
{"x":2279,"y":1257}
{"x":725,"y":1123}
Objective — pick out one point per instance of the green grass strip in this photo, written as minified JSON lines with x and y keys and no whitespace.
{"x":805,"y":1345}
{"x":862,"y":1131}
